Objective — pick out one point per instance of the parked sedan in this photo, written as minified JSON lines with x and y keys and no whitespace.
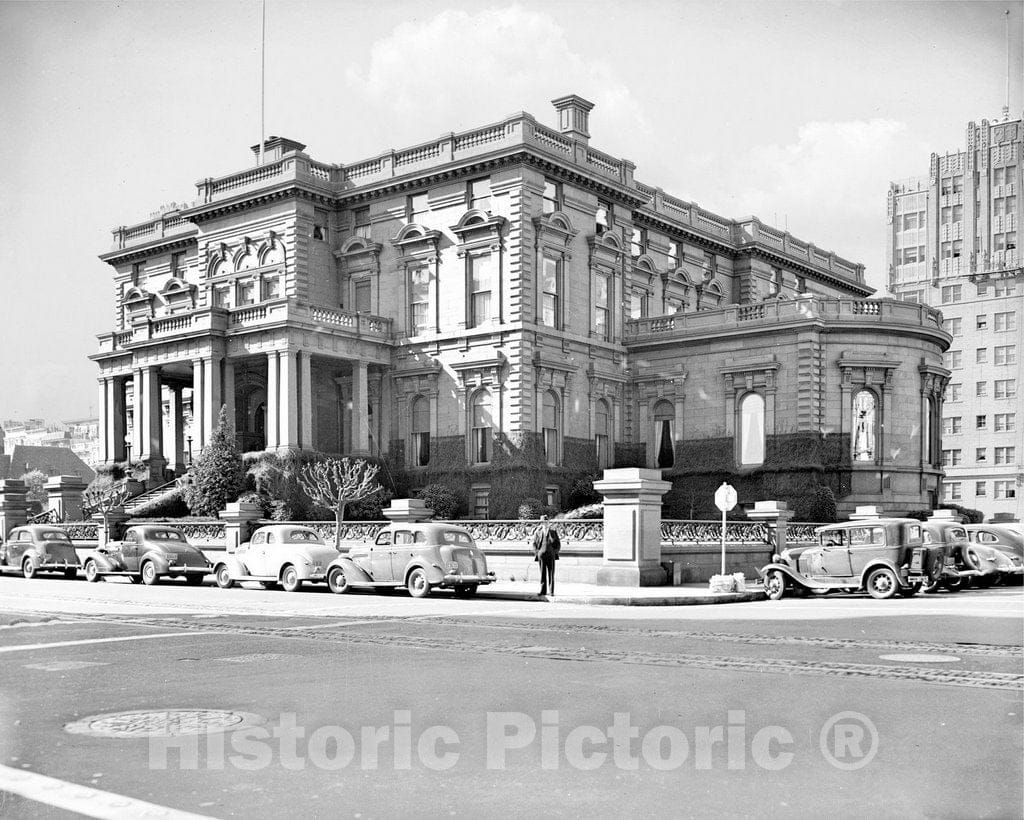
{"x":285,"y":554}
{"x":38,"y":548}
{"x":147,"y":553}
{"x":418,"y":556}
{"x":1004,"y":538}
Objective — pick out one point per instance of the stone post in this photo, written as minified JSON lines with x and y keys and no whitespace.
{"x":777,"y":516}
{"x":239,"y":519}
{"x":407,"y":510}
{"x":114,"y":529}
{"x":13,"y":506}
{"x":64,"y":496}
{"x":632,"y":527}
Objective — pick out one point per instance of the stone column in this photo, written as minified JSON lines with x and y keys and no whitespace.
{"x":777,"y":516}
{"x":360,"y":422}
{"x":198,"y":405}
{"x":138,"y":415}
{"x":240,"y":519}
{"x":228,"y":395}
{"x":105,"y":450}
{"x":13,"y":506}
{"x":116,"y":406}
{"x":152,"y":425}
{"x":273,"y":401}
{"x":64,"y":496}
{"x":211,"y":396}
{"x":288,"y":401}
{"x":632,"y":527}
{"x":305,"y":402}
{"x":176,"y":423}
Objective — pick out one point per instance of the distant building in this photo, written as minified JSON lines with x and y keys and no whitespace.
{"x":953,"y":243}
{"x":19,"y":459}
{"x":509,"y":310}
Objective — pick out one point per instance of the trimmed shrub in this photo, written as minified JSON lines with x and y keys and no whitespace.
{"x":218,"y":476}
{"x":442,"y":499}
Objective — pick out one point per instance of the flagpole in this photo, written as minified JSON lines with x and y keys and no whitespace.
{"x":263,"y":75}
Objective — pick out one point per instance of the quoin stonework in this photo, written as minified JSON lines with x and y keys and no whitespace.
{"x":508,"y":310}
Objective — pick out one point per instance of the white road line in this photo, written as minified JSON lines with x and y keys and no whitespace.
{"x":84,"y":799}
{"x":26,"y":647}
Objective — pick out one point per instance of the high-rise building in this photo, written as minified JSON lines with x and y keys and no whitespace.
{"x":508,"y":310}
{"x":953,"y":244}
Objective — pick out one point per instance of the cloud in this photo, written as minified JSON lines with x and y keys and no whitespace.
{"x":461,"y":69}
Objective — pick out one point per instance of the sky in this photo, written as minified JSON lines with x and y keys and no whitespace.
{"x":800,"y":113}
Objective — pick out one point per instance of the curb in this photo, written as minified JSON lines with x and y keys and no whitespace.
{"x":628,"y":600}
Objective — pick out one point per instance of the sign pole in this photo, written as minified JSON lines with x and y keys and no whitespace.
{"x":723,"y":542}
{"x":725,"y":500}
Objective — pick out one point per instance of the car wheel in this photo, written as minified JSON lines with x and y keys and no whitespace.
{"x":194,"y":579}
{"x":417,"y":584}
{"x":972,"y":559}
{"x":774,"y":585}
{"x":882,"y":583}
{"x":290,"y":580}
{"x":337,"y":581}
{"x":28,"y":569}
{"x":911,"y":591}
{"x":954,"y":584}
{"x":223,"y":577}
{"x":465,"y":590}
{"x":92,"y":572}
{"x":148,"y":574}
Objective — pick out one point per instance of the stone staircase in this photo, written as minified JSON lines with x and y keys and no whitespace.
{"x":137,"y":503}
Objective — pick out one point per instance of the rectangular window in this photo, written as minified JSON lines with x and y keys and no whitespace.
{"x":361,"y":222}
{"x":958,"y":184}
{"x":1004,"y":288}
{"x":710,"y":265}
{"x":953,"y":490}
{"x":637,"y":303}
{"x":1006,"y":321}
{"x":550,"y":289}
{"x":955,"y":326}
{"x":951,"y":458}
{"x":220,"y":296}
{"x":981,"y":355}
{"x":1006,"y":354}
{"x":956,"y":359}
{"x":910,"y":221}
{"x":320,"y":225}
{"x":981,"y":422}
{"x":981,"y":322}
{"x":271,"y":287}
{"x":981,"y":454}
{"x":138,"y":273}
{"x":419,"y":301}
{"x":551,"y":445}
{"x":478,"y":194}
{"x":958,"y":213}
{"x":1006,"y":388}
{"x":178,"y":263}
{"x":602,"y":305}
{"x":1004,"y":490}
{"x":955,"y":392}
{"x":952,"y":425}
{"x":361,"y":294}
{"x":980,"y":489}
{"x":481,"y":281}
{"x":958,"y":248}
{"x":481,"y":503}
{"x":1006,"y":455}
{"x":1005,"y":422}
{"x":603,"y":219}
{"x":638,"y":242}
{"x":552,"y":196}
{"x":673,"y":254}
{"x":246,"y":292}
{"x":981,"y":389}
{"x":416,"y":207}
{"x":951,"y":293}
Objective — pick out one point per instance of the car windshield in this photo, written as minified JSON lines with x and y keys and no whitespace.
{"x":55,"y":536}
{"x":165,"y":535}
{"x":456,"y":537}
{"x":303,"y":537}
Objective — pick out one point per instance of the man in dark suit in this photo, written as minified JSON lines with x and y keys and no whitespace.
{"x":546,"y":546}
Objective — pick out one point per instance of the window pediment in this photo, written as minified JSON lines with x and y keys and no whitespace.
{"x":478,"y":226}
{"x":605,"y":250}
{"x":139,"y":301}
{"x":555,"y":230}
{"x":750,"y":376}
{"x":478,"y":370}
{"x":414,"y":239}
{"x":551,"y":372}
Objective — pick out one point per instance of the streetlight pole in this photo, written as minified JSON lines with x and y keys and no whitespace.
{"x":189,"y":440}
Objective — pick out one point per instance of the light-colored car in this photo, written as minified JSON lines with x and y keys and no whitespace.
{"x":884,"y":556}
{"x":965,"y":562}
{"x":38,"y":548}
{"x":1007,"y":539}
{"x":285,"y":554}
{"x":147,"y":553}
{"x":418,"y":556}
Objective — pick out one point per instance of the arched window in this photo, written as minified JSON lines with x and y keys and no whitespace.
{"x":602,"y":433}
{"x":551,"y":427}
{"x":420,"y":432}
{"x":480,"y":427}
{"x":752,"y":429}
{"x":664,"y":421}
{"x":864,"y":426}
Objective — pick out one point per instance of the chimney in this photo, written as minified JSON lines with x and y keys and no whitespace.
{"x":573,"y":117}
{"x":276,"y":147}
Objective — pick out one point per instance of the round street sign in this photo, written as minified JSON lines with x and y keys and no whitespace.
{"x":725,"y":497}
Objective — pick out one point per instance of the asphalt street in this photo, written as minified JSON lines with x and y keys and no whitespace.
{"x":119,"y":700}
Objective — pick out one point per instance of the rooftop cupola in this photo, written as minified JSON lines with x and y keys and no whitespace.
{"x":574,"y":116}
{"x":276,"y":147}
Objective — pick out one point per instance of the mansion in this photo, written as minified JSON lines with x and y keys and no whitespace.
{"x":508,"y":310}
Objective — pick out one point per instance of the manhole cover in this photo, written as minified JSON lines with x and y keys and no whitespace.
{"x":163,"y":723}
{"x":921,"y":658}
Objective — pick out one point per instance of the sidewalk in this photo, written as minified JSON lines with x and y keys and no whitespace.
{"x":570,"y":593}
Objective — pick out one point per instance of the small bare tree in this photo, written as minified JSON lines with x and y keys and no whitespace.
{"x":335,"y":483}
{"x":104,"y":499}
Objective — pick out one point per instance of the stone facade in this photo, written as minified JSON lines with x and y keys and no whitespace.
{"x":507,"y":310}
